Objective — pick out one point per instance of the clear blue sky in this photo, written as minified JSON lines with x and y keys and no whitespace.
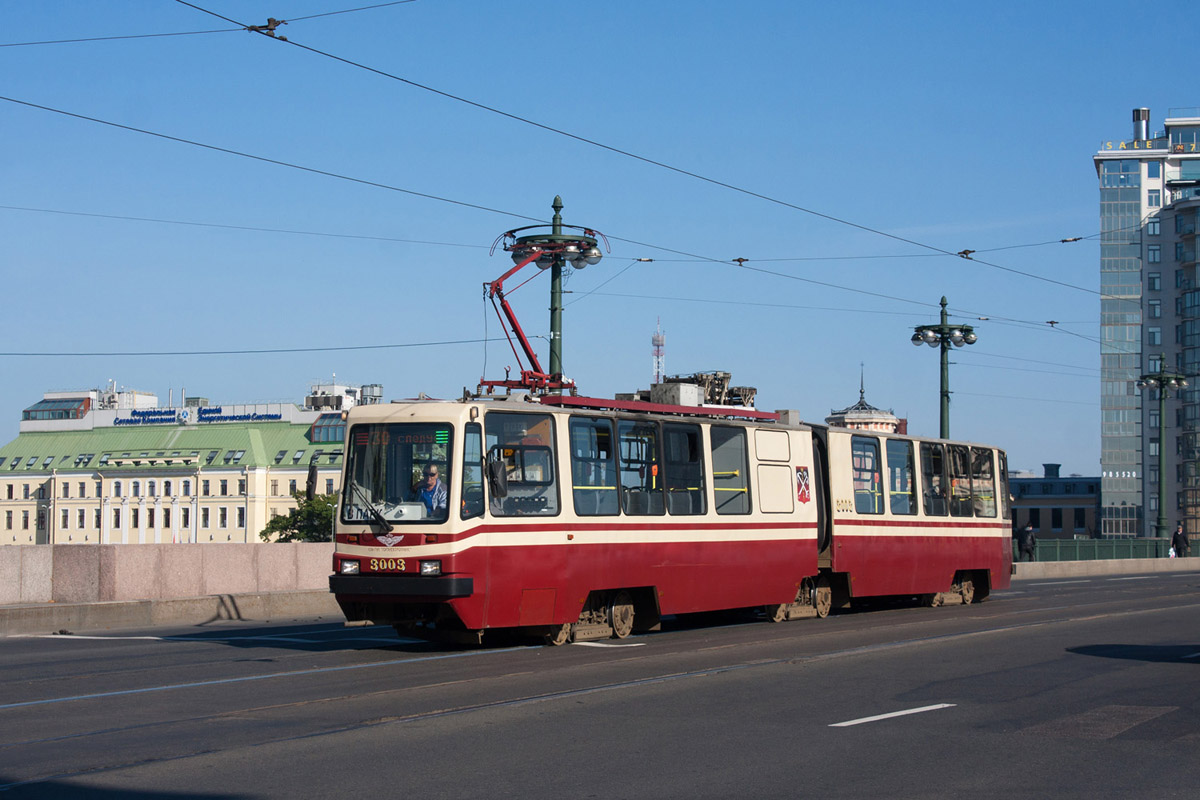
{"x":957,"y":126}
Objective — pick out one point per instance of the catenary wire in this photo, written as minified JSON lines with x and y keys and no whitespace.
{"x":644,"y":159}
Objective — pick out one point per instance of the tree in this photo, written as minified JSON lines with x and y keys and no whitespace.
{"x":309,"y":521}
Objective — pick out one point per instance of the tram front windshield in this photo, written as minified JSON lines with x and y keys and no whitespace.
{"x":398,"y":473}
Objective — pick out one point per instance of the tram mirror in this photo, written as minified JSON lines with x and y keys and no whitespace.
{"x":310,"y":488}
{"x":497,"y":475}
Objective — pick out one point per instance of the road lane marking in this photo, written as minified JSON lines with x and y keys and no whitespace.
{"x":878,"y":717}
{"x":1193,"y":655}
{"x":1057,"y":583}
{"x":610,"y":644}
{"x":1134,"y":578}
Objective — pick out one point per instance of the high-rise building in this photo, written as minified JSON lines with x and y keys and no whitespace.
{"x":1149,"y":322}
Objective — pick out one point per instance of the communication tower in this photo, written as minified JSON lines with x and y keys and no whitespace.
{"x":658,"y":340}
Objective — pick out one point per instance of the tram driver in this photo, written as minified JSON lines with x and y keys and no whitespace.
{"x":432,"y":492}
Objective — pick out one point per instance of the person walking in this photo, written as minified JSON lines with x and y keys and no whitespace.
{"x":1180,"y":543}
{"x":1026,"y":542}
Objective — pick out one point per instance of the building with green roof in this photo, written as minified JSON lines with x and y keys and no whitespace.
{"x":112,"y":467}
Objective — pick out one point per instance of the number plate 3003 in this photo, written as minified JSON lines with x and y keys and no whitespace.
{"x":387,"y":565}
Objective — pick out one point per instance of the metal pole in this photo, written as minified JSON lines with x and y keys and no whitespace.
{"x":945,"y":346}
{"x":556,"y":308}
{"x":1161,"y":526}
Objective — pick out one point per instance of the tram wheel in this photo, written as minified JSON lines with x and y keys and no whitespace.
{"x":777,"y":612}
{"x":559,"y":635}
{"x":932,"y":600}
{"x":822,"y":597}
{"x":620,"y":614}
{"x":967,"y":591}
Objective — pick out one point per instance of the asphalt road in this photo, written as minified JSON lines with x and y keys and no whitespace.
{"x":1066,"y":688}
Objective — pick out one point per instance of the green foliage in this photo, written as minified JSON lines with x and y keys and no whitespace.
{"x":309,"y":521}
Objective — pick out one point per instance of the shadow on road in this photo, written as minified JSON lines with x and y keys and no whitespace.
{"x":1187,"y":653}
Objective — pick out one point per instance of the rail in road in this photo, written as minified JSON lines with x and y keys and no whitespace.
{"x":1079,"y":686}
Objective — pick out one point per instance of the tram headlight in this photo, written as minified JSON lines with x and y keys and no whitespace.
{"x":431,"y":567}
{"x":349,"y":568}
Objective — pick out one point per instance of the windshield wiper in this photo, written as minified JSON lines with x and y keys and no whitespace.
{"x":376,"y":515}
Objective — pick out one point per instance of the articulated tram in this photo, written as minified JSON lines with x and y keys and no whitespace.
{"x":575,"y":518}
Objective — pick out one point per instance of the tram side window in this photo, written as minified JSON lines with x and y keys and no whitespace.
{"x":868,"y":485}
{"x":524,"y":445}
{"x":593,"y":467}
{"x":641,"y":489}
{"x":933,"y":478}
{"x":683,"y":468}
{"x":960,"y":481}
{"x":731,"y":487}
{"x":983,"y":482}
{"x":902,"y":496}
{"x":472,"y":471}
{"x":1005,"y":496}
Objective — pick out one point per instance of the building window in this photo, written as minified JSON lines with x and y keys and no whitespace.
{"x":204,"y":518}
{"x":1153,"y":253}
{"x":1154,"y":336}
{"x":151,"y":488}
{"x":1153,"y":198}
{"x":274,"y":488}
{"x":116,"y":488}
{"x":25,"y":487}
{"x":66,"y":489}
{"x":241,"y":486}
{"x":241,"y":517}
{"x":1153,"y":227}
{"x":187,"y":488}
{"x":184,"y":517}
{"x":96,"y":520}
{"x":81,"y":519}
{"x":1154,"y":308}
{"x":10,"y":491}
{"x":1153,"y":169}
{"x":1154,"y":281}
{"x":204,"y":488}
{"x":166,"y":488}
{"x":133,"y":518}
{"x":329,"y":486}
{"x":291,"y":487}
{"x":1035,"y":518}
{"x":8,"y":517}
{"x":66,"y":519}
{"x":166,"y":519}
{"x":224,"y":488}
{"x":99,"y":489}
{"x":137,"y":491}
{"x":223,"y":517}
{"x":150,"y":518}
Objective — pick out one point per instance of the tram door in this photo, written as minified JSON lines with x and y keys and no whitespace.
{"x":820,"y":480}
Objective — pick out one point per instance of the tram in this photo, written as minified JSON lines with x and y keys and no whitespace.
{"x":575,"y":518}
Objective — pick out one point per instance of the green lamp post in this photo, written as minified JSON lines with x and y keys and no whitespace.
{"x":1164,"y":380}
{"x":944,"y":336}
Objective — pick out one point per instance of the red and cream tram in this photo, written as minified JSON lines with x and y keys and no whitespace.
{"x":578,"y":518}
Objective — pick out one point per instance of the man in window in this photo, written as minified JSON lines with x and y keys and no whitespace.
{"x":432,"y":492}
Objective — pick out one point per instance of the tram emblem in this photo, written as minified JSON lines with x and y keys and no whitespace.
{"x":389,"y":539}
{"x":803,"y":488}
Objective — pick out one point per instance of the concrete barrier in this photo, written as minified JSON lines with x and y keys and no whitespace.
{"x":47,"y":588}
{"x":1116,"y":566}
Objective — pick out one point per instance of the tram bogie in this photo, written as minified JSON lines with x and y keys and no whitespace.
{"x":573,"y":519}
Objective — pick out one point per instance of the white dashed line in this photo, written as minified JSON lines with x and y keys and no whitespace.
{"x":848,"y":723}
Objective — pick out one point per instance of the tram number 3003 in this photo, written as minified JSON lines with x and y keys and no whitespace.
{"x":387,"y":565}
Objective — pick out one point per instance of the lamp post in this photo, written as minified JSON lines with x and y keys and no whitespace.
{"x":1164,"y":380}
{"x":944,"y":335}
